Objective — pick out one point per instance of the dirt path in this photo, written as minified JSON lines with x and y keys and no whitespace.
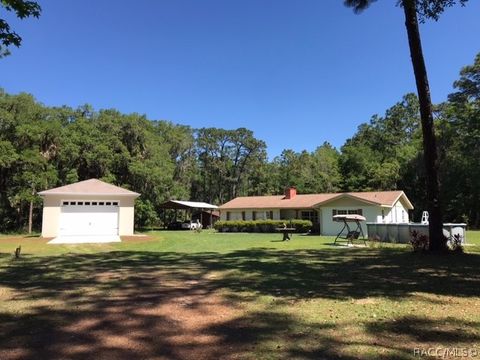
{"x":127,"y":315}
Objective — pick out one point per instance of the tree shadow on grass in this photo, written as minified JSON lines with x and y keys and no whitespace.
{"x":332,"y":273}
{"x":134,"y":304}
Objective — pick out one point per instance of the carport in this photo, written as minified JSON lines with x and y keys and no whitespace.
{"x":207,"y":211}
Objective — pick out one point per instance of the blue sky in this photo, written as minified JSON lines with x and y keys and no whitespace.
{"x":297,"y":73}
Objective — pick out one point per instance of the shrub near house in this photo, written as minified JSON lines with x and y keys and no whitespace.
{"x":265,"y":226}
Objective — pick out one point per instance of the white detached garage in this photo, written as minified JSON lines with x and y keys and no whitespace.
{"x":88,"y":211}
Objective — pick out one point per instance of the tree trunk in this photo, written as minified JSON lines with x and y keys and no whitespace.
{"x":437,"y":240}
{"x":30,"y":217}
{"x":30,"y":212}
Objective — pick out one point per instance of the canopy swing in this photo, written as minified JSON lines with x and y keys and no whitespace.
{"x":347,"y":233}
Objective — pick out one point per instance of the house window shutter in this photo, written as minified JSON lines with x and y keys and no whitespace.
{"x":228,"y":215}
{"x":254,"y":215}
{"x":360,"y":212}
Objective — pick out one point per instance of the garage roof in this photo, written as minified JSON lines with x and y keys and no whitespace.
{"x":89,"y":187}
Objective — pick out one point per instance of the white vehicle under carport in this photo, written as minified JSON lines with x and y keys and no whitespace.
{"x":191,"y":225}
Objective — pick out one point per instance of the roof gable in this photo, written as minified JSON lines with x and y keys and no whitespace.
{"x":89,"y":187}
{"x":346,"y":199}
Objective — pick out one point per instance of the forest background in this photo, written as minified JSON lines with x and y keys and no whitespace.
{"x":43,"y":147}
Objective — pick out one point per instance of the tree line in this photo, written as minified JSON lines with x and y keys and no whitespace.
{"x":43,"y":147}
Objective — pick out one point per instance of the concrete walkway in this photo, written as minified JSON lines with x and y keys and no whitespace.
{"x":85,"y":239}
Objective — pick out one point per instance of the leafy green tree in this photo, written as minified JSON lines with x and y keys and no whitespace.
{"x":145,"y":214}
{"x":180,"y":142}
{"x":22,"y":9}
{"x":378,"y":154}
{"x":316,"y":172}
{"x":413,"y":10}
{"x":460,"y":144}
{"x":42,"y":147}
{"x":227,"y":159}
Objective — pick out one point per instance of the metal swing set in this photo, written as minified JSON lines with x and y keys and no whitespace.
{"x":347,"y":234}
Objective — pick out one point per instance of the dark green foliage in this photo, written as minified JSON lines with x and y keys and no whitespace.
{"x":426,"y":9}
{"x":22,"y":9}
{"x":145,"y":214}
{"x":456,"y":243}
{"x":377,"y":156}
{"x":419,"y":242}
{"x":227,"y":159}
{"x":262,"y":226}
{"x":43,"y":147}
{"x":315,"y":172}
{"x":459,"y":124}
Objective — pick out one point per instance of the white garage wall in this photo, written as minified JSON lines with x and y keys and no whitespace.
{"x":52,"y":210}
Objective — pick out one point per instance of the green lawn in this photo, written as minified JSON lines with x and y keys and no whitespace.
{"x":183,"y":295}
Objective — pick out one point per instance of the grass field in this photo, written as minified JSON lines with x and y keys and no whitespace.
{"x":183,"y":295}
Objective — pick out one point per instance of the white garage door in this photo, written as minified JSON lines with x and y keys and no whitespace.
{"x":89,"y":218}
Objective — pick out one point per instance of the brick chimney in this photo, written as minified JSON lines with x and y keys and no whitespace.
{"x":290,"y":193}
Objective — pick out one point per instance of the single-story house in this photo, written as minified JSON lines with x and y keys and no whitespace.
{"x":90,"y":208}
{"x":377,"y":206}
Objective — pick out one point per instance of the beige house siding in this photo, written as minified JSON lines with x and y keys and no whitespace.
{"x":52,"y":210}
{"x":373,"y":213}
{"x":126,"y":216}
{"x":396,"y":214}
{"x":51,"y":216}
{"x":330,"y":227}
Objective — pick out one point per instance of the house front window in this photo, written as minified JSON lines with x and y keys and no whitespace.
{"x":311,"y":215}
{"x":347,"y":212}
